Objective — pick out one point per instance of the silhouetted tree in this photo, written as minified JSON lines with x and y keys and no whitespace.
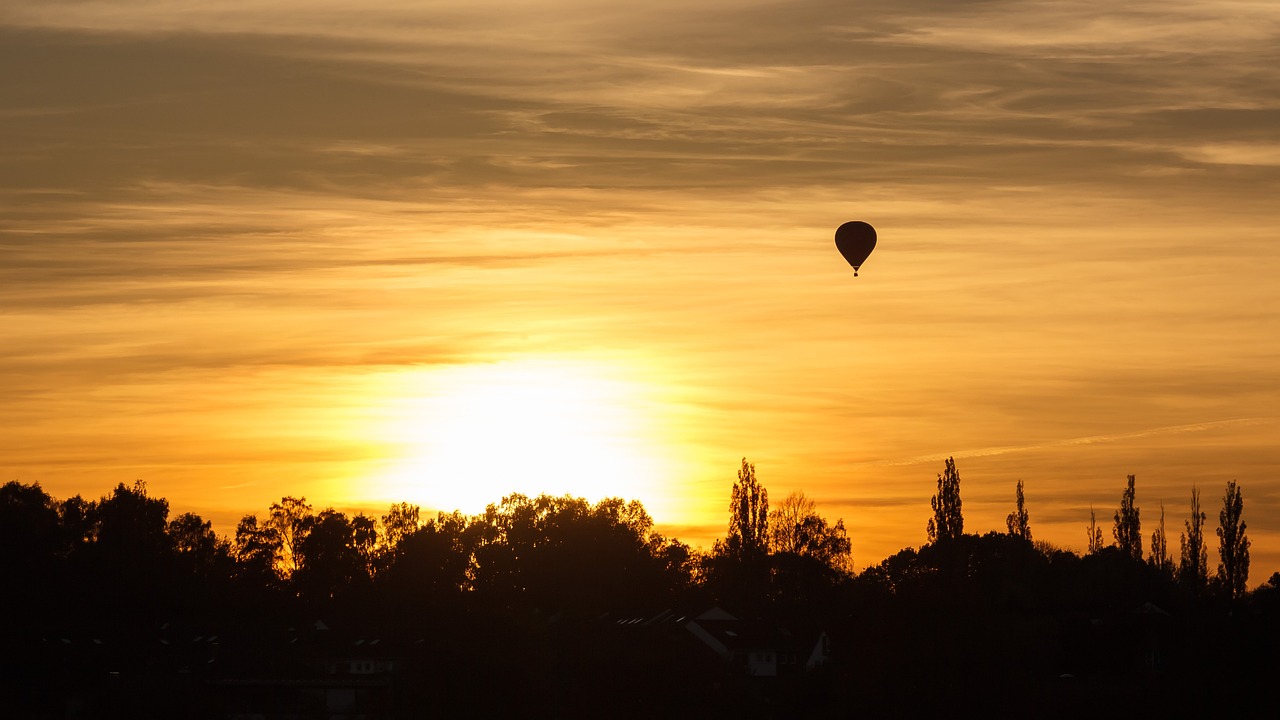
{"x":433,"y":566}
{"x":1094,"y":533}
{"x":289,"y":519}
{"x":1159,"y":557}
{"x":562,"y":553}
{"x":947,"y":522}
{"x":364,"y":537}
{"x":1018,"y":521}
{"x":898,"y":574}
{"x":29,"y":525}
{"x":329,"y":557}
{"x":1271,"y":586}
{"x":197,"y":547}
{"x":1194,"y":561}
{"x":77,"y":519}
{"x":748,"y":515}
{"x":130,"y":559}
{"x":1233,"y":545}
{"x":130,"y":523}
{"x":664,"y":565}
{"x":1128,"y":527}
{"x":786,"y":519}
{"x":256,"y":549}
{"x":401,"y":521}
{"x":31,"y":545}
{"x":830,"y":544}
{"x":678,"y":564}
{"x":795,"y":527}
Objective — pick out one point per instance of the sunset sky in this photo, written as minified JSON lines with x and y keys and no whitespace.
{"x":441,"y":251}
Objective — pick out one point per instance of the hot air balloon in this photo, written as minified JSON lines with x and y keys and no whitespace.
{"x":855,"y":240}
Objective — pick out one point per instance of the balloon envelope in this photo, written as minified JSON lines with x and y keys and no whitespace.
{"x":855,"y":240}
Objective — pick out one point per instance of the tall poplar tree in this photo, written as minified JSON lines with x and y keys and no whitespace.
{"x":1194,"y":561}
{"x":1128,"y":528}
{"x":1018,"y":521}
{"x":1094,"y":532}
{"x":748,"y":514}
{"x":1233,"y":545}
{"x":1159,"y":557}
{"x":947,"y":522}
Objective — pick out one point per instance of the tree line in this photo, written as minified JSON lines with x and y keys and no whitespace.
{"x":547,"y":550}
{"x":1232,"y":573}
{"x":965,"y":607}
{"x":541,"y":550}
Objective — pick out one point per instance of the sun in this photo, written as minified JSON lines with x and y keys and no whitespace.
{"x":469,"y":435}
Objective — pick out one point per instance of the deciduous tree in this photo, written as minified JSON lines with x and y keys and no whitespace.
{"x":256,"y":549}
{"x":29,"y":525}
{"x":401,"y":521}
{"x":786,"y":519}
{"x":795,"y":527}
{"x":289,"y":518}
{"x":31,"y":541}
{"x":199,"y":549}
{"x":328,"y":554}
{"x":130,"y":559}
{"x":131,"y":526}
{"x":364,"y":538}
{"x":79,"y":526}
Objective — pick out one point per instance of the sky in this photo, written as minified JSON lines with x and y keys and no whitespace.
{"x":442,"y":251}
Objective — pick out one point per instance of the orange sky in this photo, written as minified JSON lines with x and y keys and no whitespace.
{"x":379,"y":251}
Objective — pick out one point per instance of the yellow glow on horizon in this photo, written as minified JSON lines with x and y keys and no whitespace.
{"x":471,"y":434}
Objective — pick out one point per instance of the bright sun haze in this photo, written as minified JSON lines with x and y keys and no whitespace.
{"x":468,"y":435}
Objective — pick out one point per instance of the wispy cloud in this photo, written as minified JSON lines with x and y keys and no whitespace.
{"x":1088,"y":440}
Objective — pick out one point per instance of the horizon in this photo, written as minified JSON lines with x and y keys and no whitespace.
{"x":702,"y":539}
{"x":383,"y":253}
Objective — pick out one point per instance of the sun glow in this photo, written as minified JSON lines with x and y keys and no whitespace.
{"x":475,"y":433}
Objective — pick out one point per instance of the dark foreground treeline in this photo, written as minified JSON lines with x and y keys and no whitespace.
{"x":556,"y":607}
